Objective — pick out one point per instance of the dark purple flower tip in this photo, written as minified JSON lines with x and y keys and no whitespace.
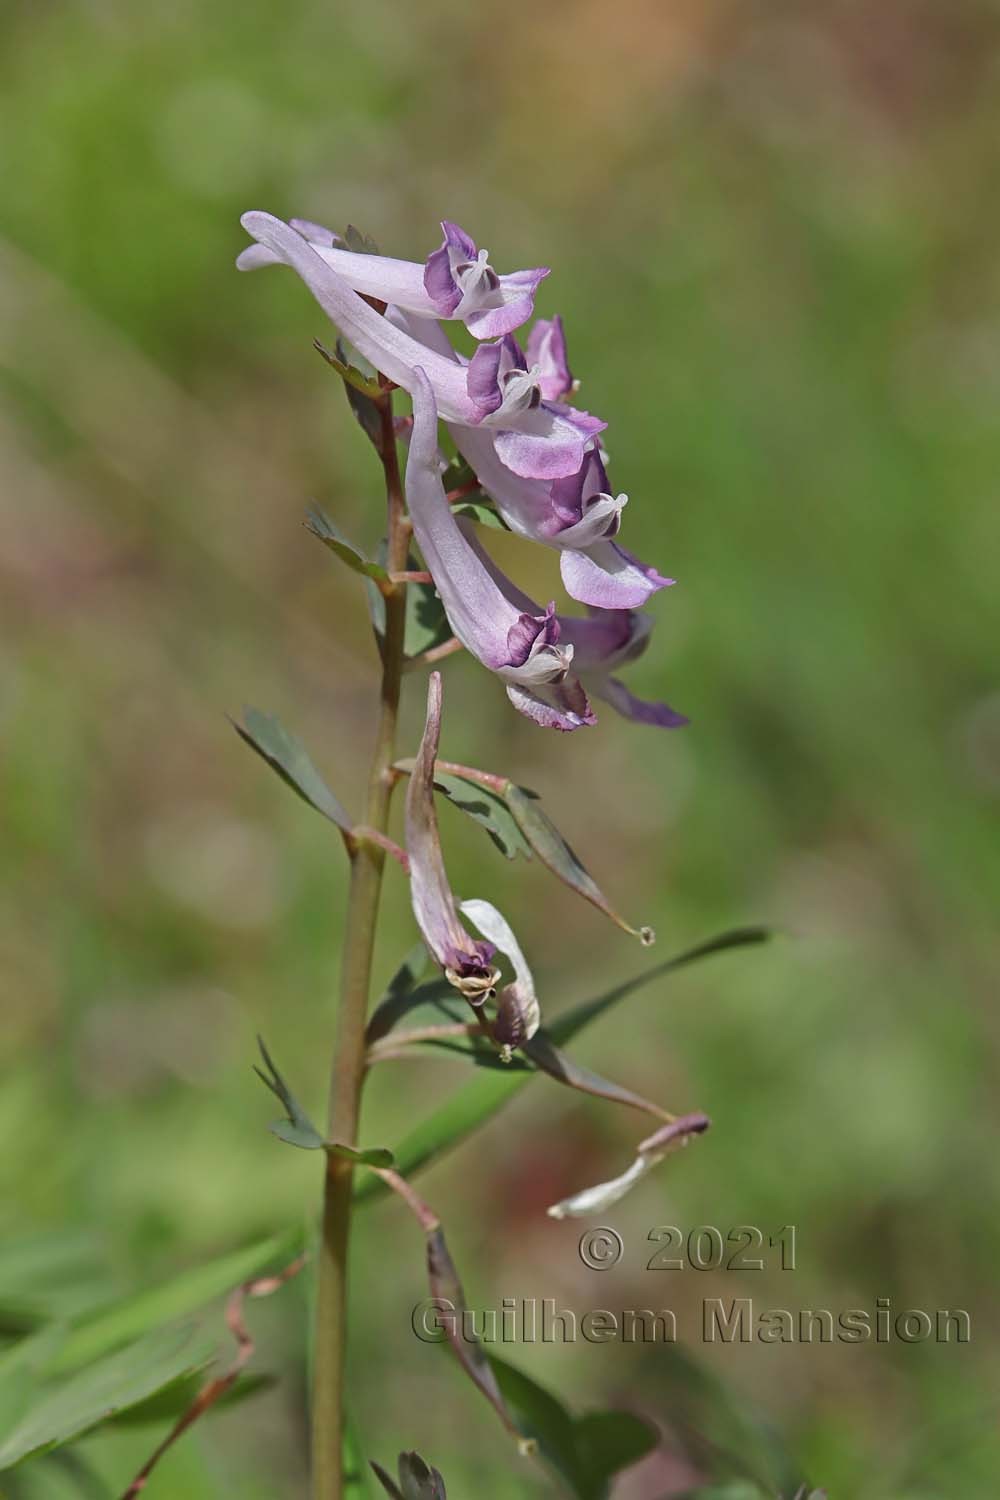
{"x":530,"y":634}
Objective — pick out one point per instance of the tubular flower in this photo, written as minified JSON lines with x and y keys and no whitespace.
{"x":494,"y":621}
{"x":595,"y":1200}
{"x":576,"y":513}
{"x":534,"y":438}
{"x":456,"y":281}
{"x":467,"y":963}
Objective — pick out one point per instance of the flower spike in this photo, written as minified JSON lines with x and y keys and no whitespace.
{"x":534,"y":438}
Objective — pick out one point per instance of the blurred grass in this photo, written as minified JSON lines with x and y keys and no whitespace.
{"x":773,"y":237}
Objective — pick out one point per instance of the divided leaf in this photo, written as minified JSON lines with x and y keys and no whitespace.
{"x":287,"y":756}
{"x":297,"y":1128}
{"x":401,"y":995}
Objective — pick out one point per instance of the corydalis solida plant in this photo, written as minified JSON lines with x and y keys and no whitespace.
{"x":533,"y":463}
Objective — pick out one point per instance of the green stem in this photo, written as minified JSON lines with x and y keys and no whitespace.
{"x":348,"y":1069}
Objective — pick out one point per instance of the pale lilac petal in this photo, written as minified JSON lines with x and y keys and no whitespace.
{"x":317,"y":234}
{"x":456,"y":239}
{"x":609,"y":577}
{"x":468,"y":963}
{"x":517,"y":291}
{"x":660,"y":715}
{"x":547,"y":444}
{"x":477,"y":611}
{"x":547,"y":350}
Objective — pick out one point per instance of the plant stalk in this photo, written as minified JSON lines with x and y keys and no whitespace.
{"x":348,"y":1067}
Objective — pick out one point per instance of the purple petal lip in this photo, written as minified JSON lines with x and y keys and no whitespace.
{"x":547,"y":349}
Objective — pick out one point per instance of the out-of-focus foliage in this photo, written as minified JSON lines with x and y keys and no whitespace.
{"x":773,"y":230}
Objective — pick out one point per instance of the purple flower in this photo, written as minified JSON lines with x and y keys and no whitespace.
{"x":576,"y":513}
{"x":604,"y":640}
{"x":456,"y":281}
{"x":505,"y":629}
{"x":460,"y":283}
{"x":534,"y":438}
{"x":467,"y":964}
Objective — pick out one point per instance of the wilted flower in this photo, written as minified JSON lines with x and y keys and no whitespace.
{"x":456,"y":281}
{"x":517,"y":640}
{"x":596,"y":1199}
{"x":467,"y":963}
{"x":532,"y":437}
{"x":518,"y":1012}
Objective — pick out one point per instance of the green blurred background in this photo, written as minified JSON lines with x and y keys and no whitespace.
{"x":773,"y":235}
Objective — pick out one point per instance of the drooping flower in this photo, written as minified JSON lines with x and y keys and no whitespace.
{"x":594,"y":1200}
{"x":605,"y":640}
{"x":575,"y":513}
{"x":533,"y":438}
{"x":601,"y":641}
{"x":517,"y":640}
{"x":456,"y":281}
{"x":467,"y":962}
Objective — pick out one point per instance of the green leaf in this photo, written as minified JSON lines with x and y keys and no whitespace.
{"x":20,"y":1372}
{"x":353,"y":378}
{"x":287,"y":756}
{"x":545,"y":1055}
{"x":107,"y":1329}
{"x":374,"y":1156}
{"x":297,"y":1128}
{"x":477,"y":509}
{"x":553,"y":850}
{"x":418,"y":1480}
{"x":399,"y":996}
{"x":587,"y":1452}
{"x":320,"y":525}
{"x":478,"y":1101}
{"x":46,"y":1277}
{"x":113,"y":1384}
{"x":485,"y":807}
{"x":609,"y":1441}
{"x":361,"y":244}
